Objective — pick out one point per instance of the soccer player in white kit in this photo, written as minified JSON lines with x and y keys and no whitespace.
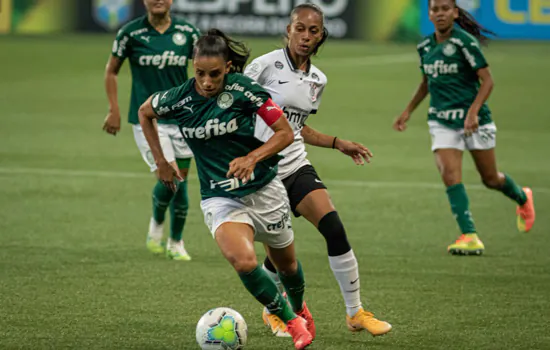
{"x":297,"y":85}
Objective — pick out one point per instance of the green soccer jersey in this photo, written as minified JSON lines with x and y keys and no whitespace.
{"x":157,"y":61}
{"x":453,"y":84}
{"x":218,"y":130}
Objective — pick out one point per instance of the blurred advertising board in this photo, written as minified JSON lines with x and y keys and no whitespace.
{"x":5,"y":16}
{"x":37,"y":16}
{"x":241,"y":17}
{"x":509,"y":19}
{"x":391,"y":20}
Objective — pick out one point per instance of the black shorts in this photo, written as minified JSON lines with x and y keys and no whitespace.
{"x":300,"y":184}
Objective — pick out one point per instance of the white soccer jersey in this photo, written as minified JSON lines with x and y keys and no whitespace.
{"x":297,"y":92}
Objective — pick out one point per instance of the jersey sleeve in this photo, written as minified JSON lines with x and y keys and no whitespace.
{"x":421,"y":49}
{"x":317,"y":102}
{"x":421,"y":62}
{"x":257,"y":101}
{"x":121,"y":45}
{"x":474,"y":55}
{"x":255,"y":97}
{"x":167,"y":103}
{"x":257,"y":70}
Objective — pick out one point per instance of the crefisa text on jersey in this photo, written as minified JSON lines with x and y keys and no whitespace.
{"x":248,"y":94}
{"x":167,"y":58}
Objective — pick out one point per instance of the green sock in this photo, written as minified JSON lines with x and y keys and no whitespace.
{"x":262,"y":287}
{"x":295,"y":285}
{"x":162,"y":196}
{"x":513,"y":191}
{"x":460,"y":207}
{"x":178,"y":211}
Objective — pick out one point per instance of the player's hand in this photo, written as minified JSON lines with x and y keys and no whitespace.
{"x":168,"y":174}
{"x":359,"y":153}
{"x":471,"y":124}
{"x":111,"y":125}
{"x":242,"y":168}
{"x":400,"y":124}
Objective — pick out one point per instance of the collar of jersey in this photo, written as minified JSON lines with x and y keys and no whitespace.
{"x":291,"y":62}
{"x":433,"y":38}
{"x":150,"y":26}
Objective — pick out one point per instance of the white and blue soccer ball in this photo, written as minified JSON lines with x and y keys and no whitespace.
{"x":222,"y":328}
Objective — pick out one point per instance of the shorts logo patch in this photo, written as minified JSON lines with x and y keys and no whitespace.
{"x":281,"y":224}
{"x":208,"y":219}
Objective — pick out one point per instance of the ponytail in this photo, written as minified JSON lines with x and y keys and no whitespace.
{"x":217,"y":43}
{"x":467,"y":22}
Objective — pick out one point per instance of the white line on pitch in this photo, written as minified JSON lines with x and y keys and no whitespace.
{"x":145,"y":175}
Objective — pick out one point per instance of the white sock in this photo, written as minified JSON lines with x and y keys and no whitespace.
{"x":276,"y":279}
{"x":156,"y":230}
{"x":346,"y":272}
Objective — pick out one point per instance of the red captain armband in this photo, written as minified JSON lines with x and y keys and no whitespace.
{"x":270,"y":112}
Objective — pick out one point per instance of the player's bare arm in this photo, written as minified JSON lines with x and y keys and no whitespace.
{"x":359,"y":153}
{"x":420,"y":94}
{"x":471,"y":123}
{"x":166,"y":172}
{"x":111,"y":124}
{"x":243,"y":167}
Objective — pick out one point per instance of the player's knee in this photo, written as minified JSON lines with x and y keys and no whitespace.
{"x":289,"y":268}
{"x":450,"y":177}
{"x":449,"y":174}
{"x":332,"y":228}
{"x":243,"y":263}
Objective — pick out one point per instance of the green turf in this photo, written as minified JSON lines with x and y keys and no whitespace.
{"x":74,"y":272}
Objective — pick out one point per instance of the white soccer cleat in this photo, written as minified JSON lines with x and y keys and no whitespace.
{"x":175,"y":250}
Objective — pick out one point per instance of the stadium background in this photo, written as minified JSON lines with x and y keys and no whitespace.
{"x":74,"y":202}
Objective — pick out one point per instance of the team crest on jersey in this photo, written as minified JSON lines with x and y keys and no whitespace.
{"x":314,"y":76}
{"x":110,"y":14}
{"x":449,"y":50}
{"x":179,"y":39}
{"x":279,"y":65}
{"x":225,"y":100}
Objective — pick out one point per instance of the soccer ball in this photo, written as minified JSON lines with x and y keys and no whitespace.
{"x":222,"y":328}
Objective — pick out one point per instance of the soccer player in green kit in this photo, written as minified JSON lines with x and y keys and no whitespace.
{"x":243,"y":200}
{"x":158,"y":46}
{"x":457,"y":76}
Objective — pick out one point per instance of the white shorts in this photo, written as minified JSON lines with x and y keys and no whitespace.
{"x":267,"y":211}
{"x":172,"y":143}
{"x":444,"y":137}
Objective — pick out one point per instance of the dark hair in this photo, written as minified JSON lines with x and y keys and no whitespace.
{"x":320,"y":12}
{"x":467,"y":22}
{"x":216,"y":43}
